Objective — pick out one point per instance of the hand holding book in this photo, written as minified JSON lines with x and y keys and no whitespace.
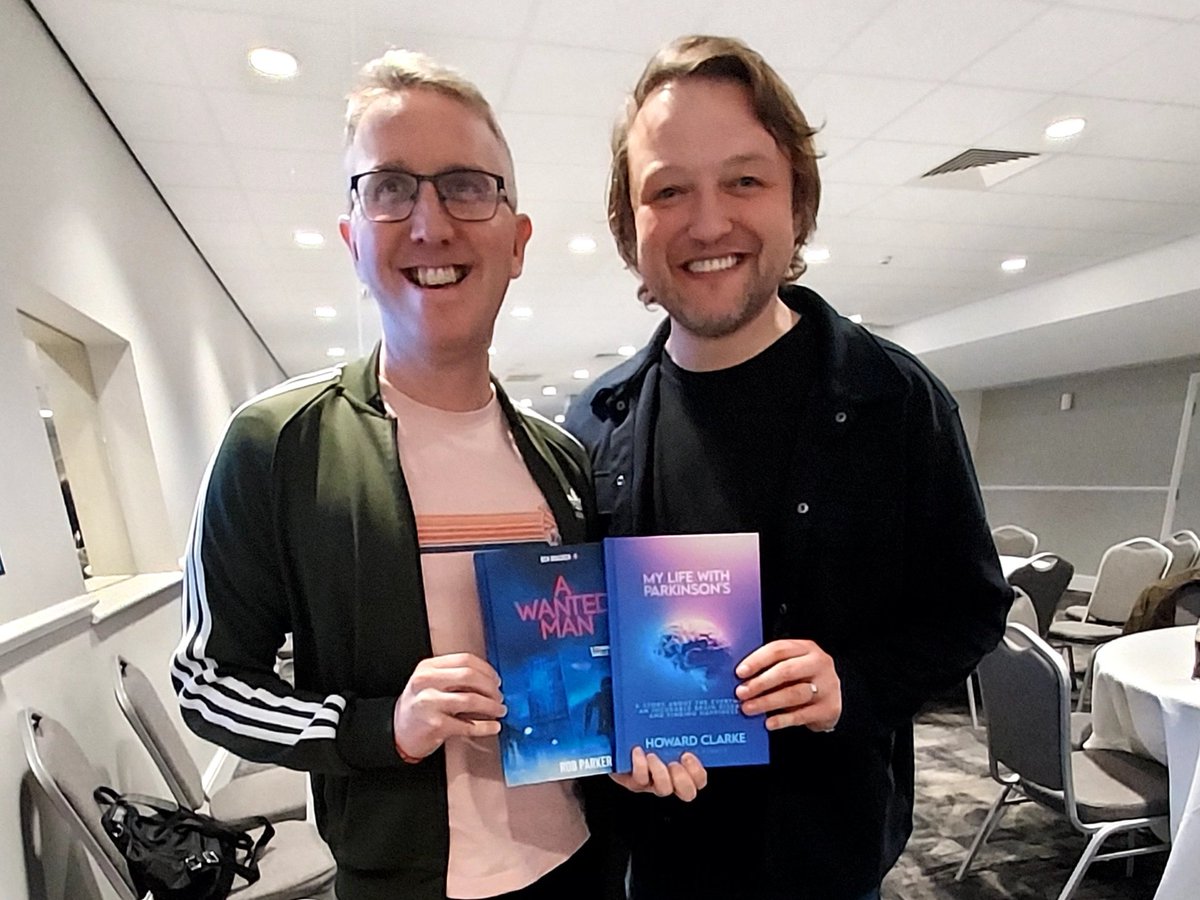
{"x":685,"y":778}
{"x":453,"y":695}
{"x":794,"y":682}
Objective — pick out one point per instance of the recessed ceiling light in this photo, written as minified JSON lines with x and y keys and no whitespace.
{"x":522,"y":312}
{"x":309,"y":240}
{"x":325,"y":312}
{"x":582,"y":243}
{"x":491,"y":351}
{"x":46,"y":413}
{"x":549,"y":390}
{"x":1065,"y":128}
{"x":273,"y":63}
{"x":580,"y":374}
{"x":816,"y":254}
{"x":560,"y":418}
{"x":335,"y":352}
{"x":856,"y":318}
{"x":526,"y":402}
{"x":1016,"y":264}
{"x":627,"y":350}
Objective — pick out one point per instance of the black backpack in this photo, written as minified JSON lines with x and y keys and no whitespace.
{"x":177,"y":854}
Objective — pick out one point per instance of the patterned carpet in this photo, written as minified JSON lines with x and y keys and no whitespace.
{"x":1030,"y":855}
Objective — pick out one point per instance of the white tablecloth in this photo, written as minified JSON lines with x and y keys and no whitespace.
{"x":1145,"y":701}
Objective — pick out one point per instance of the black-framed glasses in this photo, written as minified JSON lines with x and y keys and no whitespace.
{"x":390,"y":195}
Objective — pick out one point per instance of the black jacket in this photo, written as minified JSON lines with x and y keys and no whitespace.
{"x":304,"y":524}
{"x":895,"y":576}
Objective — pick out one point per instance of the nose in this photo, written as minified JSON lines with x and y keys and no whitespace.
{"x":429,"y":222}
{"x":710,"y":220}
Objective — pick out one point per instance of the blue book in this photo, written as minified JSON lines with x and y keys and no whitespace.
{"x":545,"y":619}
{"x":684,"y":610}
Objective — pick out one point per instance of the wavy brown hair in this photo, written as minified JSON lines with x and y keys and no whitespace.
{"x":725,"y":59}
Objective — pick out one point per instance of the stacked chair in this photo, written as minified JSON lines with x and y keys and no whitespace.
{"x":275,"y":793}
{"x":1102,"y":793}
{"x":294,"y":866}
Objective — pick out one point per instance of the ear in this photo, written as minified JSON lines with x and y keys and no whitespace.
{"x":347,"y":234}
{"x":521,"y":235}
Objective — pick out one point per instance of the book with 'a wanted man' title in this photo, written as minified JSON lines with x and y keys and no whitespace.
{"x":545,"y":617}
{"x":683,"y":611}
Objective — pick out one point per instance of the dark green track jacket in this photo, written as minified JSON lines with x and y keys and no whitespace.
{"x":304,"y":524}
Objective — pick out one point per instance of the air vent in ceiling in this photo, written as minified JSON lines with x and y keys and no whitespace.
{"x":978,"y":169}
{"x":975,"y":158}
{"x":523,"y":377}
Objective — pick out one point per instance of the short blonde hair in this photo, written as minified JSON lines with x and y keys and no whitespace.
{"x":401,"y":70}
{"x":724,"y":59}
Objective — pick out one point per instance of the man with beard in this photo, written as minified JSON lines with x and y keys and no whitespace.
{"x":758,"y":408}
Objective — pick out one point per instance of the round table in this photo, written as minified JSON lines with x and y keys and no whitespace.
{"x":1144,"y":701}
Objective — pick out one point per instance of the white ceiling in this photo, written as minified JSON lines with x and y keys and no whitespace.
{"x":899,"y":86}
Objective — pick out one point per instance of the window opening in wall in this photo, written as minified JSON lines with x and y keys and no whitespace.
{"x":69,"y":406}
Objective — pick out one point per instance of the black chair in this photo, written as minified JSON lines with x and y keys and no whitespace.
{"x":1045,"y":579}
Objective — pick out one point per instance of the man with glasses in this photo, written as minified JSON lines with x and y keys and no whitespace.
{"x":342,"y":507}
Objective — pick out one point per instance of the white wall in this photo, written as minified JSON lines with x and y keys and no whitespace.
{"x":86,"y":244}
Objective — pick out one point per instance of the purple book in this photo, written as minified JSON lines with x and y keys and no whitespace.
{"x":684,"y":610}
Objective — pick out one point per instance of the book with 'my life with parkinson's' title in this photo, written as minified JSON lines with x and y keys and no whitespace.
{"x":683,"y":611}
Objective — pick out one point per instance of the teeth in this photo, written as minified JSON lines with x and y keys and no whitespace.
{"x":436,"y":277}
{"x":712,"y":265}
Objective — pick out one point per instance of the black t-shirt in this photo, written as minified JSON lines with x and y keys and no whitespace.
{"x":724,"y":443}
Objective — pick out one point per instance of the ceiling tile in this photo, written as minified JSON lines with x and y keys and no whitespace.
{"x":932,"y":39}
{"x":573,"y":82}
{"x":1166,"y":70}
{"x":609,"y":26}
{"x":545,"y":138}
{"x":958,"y":113}
{"x":549,"y":181}
{"x":195,"y":204}
{"x":1082,"y":176}
{"x":1062,"y":46}
{"x":277,"y":121}
{"x":1169,"y":9}
{"x":187,"y":165}
{"x":290,"y":170}
{"x":887,"y":162}
{"x":504,"y":20}
{"x":857,"y":106}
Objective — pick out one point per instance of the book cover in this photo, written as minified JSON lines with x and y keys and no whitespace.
{"x":545,"y":616}
{"x":683,"y":611}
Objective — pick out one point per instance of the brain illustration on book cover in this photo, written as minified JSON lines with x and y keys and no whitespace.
{"x":545,"y":618}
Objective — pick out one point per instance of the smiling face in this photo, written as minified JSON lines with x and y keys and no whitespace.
{"x":439,"y":282}
{"x":712,"y":205}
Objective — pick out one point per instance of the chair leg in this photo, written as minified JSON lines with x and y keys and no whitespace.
{"x":1071,"y":664}
{"x":971,"y":700}
{"x":1084,"y":863}
{"x":990,"y":821}
{"x":1087,"y":682}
